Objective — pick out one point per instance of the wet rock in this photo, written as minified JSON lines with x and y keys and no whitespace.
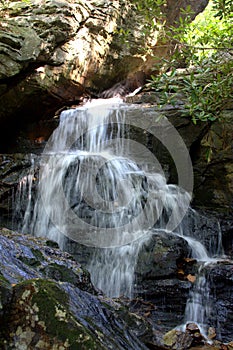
{"x":54,"y":53}
{"x":29,"y":257}
{"x":157,"y":279}
{"x":158,"y":257}
{"x":48,"y":302}
{"x":194,"y":331}
{"x":211,"y":333}
{"x":5,"y":293}
{"x":177,"y":340}
{"x":14,"y":170}
{"x":221,"y":280}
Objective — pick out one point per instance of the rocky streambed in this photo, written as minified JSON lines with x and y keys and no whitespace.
{"x":47,"y":301}
{"x":47,"y":298}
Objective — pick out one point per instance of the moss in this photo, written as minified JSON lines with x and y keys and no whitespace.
{"x":3,"y":281}
{"x":5,"y":296}
{"x":29,"y":261}
{"x":37,"y":253}
{"x":60,"y":273}
{"x":52,"y":244}
{"x":53,"y":305}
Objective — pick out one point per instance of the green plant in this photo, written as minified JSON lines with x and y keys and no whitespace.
{"x":205,"y":90}
{"x":205,"y":48}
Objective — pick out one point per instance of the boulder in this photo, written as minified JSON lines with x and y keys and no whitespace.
{"x":158,"y":280}
{"x":221,"y":284}
{"x":177,"y":340}
{"x":48,"y":302}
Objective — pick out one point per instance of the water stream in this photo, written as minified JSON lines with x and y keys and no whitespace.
{"x":96,"y":189}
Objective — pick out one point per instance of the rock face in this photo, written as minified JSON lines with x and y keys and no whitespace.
{"x":166,"y":278}
{"x":158,"y":279}
{"x":48,"y":302}
{"x":213,"y":192}
{"x":15,"y":169}
{"x":55,"y":52}
{"x":221,"y":281}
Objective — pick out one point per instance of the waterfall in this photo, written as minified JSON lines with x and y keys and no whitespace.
{"x":200,"y":303}
{"x":24,"y":201}
{"x":112,"y":270}
{"x":101,"y":189}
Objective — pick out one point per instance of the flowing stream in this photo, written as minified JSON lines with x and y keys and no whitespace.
{"x":97,"y":188}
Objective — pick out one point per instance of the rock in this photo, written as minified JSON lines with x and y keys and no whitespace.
{"x":15,"y":172}
{"x":191,"y":278}
{"x":158,"y":257}
{"x":221,"y":279}
{"x":218,"y":139}
{"x":54,"y":53}
{"x":48,"y":302}
{"x":195,"y":333}
{"x":211,"y":333}
{"x":5,"y":293}
{"x":30,"y":257}
{"x":192,"y":328}
{"x":157,"y":279}
{"x":177,"y":340}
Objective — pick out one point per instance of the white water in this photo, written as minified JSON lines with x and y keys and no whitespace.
{"x":112,"y":270}
{"x":94,"y":191}
{"x":24,"y":198}
{"x":199,"y":303}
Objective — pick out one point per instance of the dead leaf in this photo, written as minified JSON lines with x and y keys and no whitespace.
{"x":191,"y":278}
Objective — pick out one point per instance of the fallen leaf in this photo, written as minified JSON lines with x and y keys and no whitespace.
{"x":191,"y":278}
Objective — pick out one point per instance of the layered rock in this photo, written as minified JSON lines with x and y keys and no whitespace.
{"x":55,"y":52}
{"x":213,"y":193}
{"x":158,"y":280}
{"x":48,"y":302}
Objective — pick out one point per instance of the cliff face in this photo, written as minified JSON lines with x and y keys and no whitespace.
{"x":52,"y":53}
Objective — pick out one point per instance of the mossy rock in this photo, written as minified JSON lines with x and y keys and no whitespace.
{"x":5,"y":292}
{"x":40,"y":318}
{"x":5,"y":296}
{"x":78,"y":277}
{"x":177,"y":340}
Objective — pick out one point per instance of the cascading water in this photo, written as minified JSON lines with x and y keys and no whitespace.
{"x":97,"y":189}
{"x":200,"y":303}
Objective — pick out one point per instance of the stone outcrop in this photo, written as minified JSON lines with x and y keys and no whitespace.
{"x":48,"y":302}
{"x":164,"y":276}
{"x":158,"y":280}
{"x":55,"y":52}
{"x":213,"y":176}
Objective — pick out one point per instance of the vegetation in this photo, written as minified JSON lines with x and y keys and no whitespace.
{"x":205,"y":48}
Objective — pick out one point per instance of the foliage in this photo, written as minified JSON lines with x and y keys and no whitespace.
{"x":152,"y":13}
{"x":205,"y":90}
{"x":205,"y":48}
